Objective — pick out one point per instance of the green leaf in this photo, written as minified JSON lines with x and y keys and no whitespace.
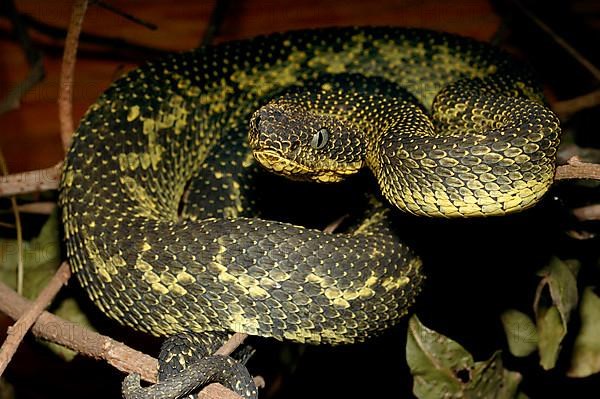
{"x":7,"y":391}
{"x":521,"y":333}
{"x":551,"y":332}
{"x":555,"y":298}
{"x":435,"y":362}
{"x":560,"y":278}
{"x":586,"y":352}
{"x":41,"y":257}
{"x":491,"y":380}
{"x":443,"y":368}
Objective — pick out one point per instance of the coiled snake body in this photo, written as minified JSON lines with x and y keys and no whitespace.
{"x":165,"y":263}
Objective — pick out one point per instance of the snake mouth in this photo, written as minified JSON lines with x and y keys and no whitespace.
{"x":277,"y":163}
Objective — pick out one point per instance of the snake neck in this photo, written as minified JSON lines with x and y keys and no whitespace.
{"x":406,"y":119}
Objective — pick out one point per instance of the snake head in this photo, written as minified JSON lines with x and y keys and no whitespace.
{"x":292,"y":139}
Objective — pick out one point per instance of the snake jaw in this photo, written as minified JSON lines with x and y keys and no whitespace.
{"x":274,"y":161}
{"x":279,"y":164}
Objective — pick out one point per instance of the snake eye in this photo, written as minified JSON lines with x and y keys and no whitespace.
{"x":319,"y":139}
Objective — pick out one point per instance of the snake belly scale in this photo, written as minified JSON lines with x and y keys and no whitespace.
{"x":164,"y":265}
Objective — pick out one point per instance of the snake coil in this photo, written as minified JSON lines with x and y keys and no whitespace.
{"x":156,"y":200}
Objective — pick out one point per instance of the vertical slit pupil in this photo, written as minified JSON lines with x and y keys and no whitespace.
{"x":320,"y":139}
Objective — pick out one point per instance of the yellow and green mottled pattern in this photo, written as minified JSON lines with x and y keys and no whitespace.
{"x":157,"y":203}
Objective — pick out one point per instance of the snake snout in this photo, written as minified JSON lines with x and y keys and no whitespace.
{"x":260,"y":125}
{"x":269,"y":132}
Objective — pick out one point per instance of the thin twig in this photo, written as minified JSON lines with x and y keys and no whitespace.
{"x":590,"y":212}
{"x":132,"y":18}
{"x":30,"y":182}
{"x":42,"y":208}
{"x":214,"y":23}
{"x":20,"y":27}
{"x":581,"y":235}
{"x":12,"y":100}
{"x":34,"y":59}
{"x":500,"y":35}
{"x":566,"y":108}
{"x":333,"y":226}
{"x":17,"y":332}
{"x":560,"y":41}
{"x":119,"y":48}
{"x":65,"y":95}
{"x":577,"y":170}
{"x":19,"y":228}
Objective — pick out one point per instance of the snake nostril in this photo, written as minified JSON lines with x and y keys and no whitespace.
{"x":255,"y":122}
{"x":295,"y":144}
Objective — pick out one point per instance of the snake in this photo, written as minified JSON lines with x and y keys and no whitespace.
{"x":158,"y":187}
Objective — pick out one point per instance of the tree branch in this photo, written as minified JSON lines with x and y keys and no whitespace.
{"x":73,"y":336}
{"x":65,"y":95}
{"x":17,"y":332}
{"x":18,"y":227}
{"x":214,"y":23}
{"x":560,"y":41}
{"x":590,"y":212}
{"x":119,"y":49}
{"x":232,"y":344}
{"x":566,"y":108}
{"x":13,"y":98}
{"x":41,"y":208}
{"x":89,"y":343}
{"x":575,"y":169}
{"x":48,"y":179}
{"x":30,"y":182}
{"x":34,"y":59}
{"x":127,"y":16}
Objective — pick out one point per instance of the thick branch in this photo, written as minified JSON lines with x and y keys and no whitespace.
{"x":575,"y":169}
{"x":73,"y":336}
{"x":17,"y":332}
{"x":30,"y":182}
